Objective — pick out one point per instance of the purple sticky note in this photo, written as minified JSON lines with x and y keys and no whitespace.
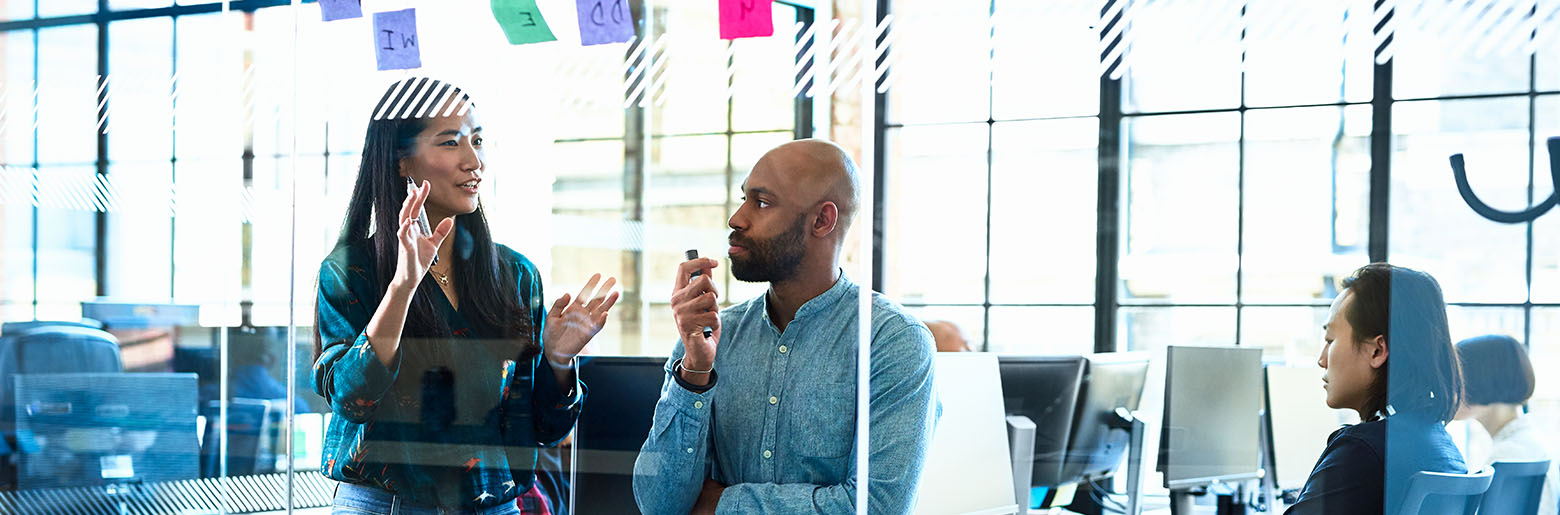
{"x":745,"y":19}
{"x":332,"y":10}
{"x":604,"y":21}
{"x":395,"y":40}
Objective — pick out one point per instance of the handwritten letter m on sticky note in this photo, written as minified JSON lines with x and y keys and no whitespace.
{"x":746,"y":19}
{"x":604,"y":21}
{"x":522,"y":21}
{"x":395,"y":40}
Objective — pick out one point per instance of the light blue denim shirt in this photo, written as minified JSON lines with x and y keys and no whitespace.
{"x":779,"y":425}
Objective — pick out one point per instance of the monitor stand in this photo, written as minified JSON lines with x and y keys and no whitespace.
{"x":1181,"y":502}
{"x":1083,"y":502}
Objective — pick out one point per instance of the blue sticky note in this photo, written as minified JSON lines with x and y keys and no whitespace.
{"x":395,"y":40}
{"x":332,"y":10}
{"x":604,"y":21}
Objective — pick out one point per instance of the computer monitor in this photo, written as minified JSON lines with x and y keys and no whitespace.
{"x":1100,"y":438}
{"x":1212,"y":411}
{"x":95,"y":429}
{"x":1298,"y":423}
{"x":1045,"y":389}
{"x":620,"y":402}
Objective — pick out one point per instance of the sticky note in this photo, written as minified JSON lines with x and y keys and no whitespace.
{"x":332,"y":10}
{"x":395,"y":40}
{"x":522,"y":21}
{"x":746,"y":19}
{"x":604,"y":21}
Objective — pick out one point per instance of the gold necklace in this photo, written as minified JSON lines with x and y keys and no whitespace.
{"x":444,"y":280}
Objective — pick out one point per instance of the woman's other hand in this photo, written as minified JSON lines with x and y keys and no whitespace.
{"x":571,"y":323}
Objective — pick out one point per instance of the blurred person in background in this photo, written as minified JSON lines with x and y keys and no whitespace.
{"x":1497,"y":380}
{"x":948,"y":336}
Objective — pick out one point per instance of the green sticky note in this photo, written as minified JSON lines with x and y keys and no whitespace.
{"x":522,"y":21}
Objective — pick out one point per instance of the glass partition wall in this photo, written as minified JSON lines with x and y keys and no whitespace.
{"x":1038,"y":181}
{"x":178,"y":178}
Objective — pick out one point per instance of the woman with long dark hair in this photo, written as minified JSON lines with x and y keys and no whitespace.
{"x":1388,"y":356}
{"x":443,"y":370}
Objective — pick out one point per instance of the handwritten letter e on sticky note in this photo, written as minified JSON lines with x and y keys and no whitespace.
{"x":604,"y":21}
{"x":332,"y":10}
{"x":522,"y":21}
{"x":746,"y":19}
{"x":395,"y":40}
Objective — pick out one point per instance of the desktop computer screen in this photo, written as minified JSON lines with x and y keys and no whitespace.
{"x":1298,"y":423}
{"x":1045,"y":389}
{"x":613,"y":424}
{"x":95,"y":429}
{"x":1099,"y":439}
{"x":1212,"y":414}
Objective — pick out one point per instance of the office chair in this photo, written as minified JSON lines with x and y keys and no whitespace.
{"x":248,"y":421}
{"x":1516,"y":488}
{"x":1439,"y":493}
{"x":49,"y":348}
{"x":52,"y":349}
{"x":10,"y":328}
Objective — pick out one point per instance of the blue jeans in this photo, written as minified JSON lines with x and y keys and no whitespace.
{"x":367,"y":500}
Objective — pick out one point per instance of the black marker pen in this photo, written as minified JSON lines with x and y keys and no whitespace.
{"x":693,"y":254}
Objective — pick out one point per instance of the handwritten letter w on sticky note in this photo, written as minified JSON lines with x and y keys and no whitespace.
{"x":604,"y":21}
{"x":395,"y":40}
{"x":522,"y":21}
{"x":332,"y":10}
{"x":746,"y":19}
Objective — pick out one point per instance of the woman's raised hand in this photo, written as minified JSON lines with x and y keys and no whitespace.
{"x":572,"y":323}
{"x":417,"y":250}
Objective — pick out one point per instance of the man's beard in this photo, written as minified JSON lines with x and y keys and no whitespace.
{"x":773,"y":259}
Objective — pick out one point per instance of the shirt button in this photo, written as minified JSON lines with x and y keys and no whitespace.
{"x":774,"y":400}
{"x":690,"y":450}
{"x":783,"y":349}
{"x":767,"y":454}
{"x":698,"y":404}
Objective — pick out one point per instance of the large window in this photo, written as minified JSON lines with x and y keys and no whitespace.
{"x":642,"y":185}
{"x":1243,"y":162}
{"x":990,"y":169}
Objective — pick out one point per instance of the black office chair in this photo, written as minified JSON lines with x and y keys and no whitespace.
{"x":1515,"y":489}
{"x":42,"y":347}
{"x":10,"y":328}
{"x":248,"y":421}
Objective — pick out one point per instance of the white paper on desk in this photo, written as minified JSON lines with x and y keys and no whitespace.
{"x":967,"y":468}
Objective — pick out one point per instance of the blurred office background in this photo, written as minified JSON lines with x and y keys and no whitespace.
{"x":1056,"y":177}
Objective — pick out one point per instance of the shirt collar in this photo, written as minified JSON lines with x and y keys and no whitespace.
{"x":1511,"y":429}
{"x":823,"y":302}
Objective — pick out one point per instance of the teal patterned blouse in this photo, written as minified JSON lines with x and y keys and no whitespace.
{"x":451,"y":422}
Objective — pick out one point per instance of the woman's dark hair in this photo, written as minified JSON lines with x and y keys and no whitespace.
{"x":486,"y":284}
{"x":1496,"y":370}
{"x":1405,"y":307}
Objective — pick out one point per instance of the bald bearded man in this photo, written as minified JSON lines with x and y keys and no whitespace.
{"x":760,"y":417}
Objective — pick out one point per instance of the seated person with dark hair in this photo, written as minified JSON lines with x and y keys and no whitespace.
{"x":1497,"y":381}
{"x":1404,"y":385}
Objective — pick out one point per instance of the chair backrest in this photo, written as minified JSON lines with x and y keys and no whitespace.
{"x":248,"y":420}
{"x":10,"y":328}
{"x":52,"y":349}
{"x":1516,"y":488}
{"x":1440,"y":493}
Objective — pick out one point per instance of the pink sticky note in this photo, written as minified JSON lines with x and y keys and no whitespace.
{"x":746,"y":19}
